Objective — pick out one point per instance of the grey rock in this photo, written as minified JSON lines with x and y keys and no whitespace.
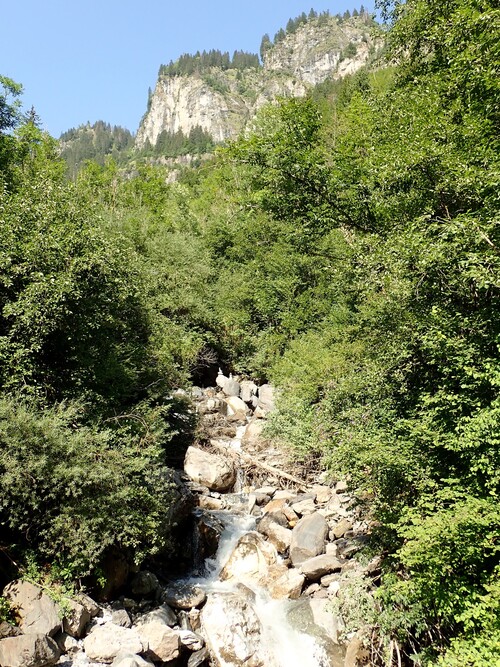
{"x":308,"y":538}
{"x":266,"y":397}
{"x":163,"y":614}
{"x":163,"y":642}
{"x":231,"y":388}
{"x":30,"y":650}
{"x":184,"y":596}
{"x":316,"y":567}
{"x":36,"y":611}
{"x":233,"y":631}
{"x":144,"y":584}
{"x":125,"y":659}
{"x":8,"y":630}
{"x":197,"y":659}
{"x":76,"y":619}
{"x":211,"y":470}
{"x":121,"y":617}
{"x":105,"y":642}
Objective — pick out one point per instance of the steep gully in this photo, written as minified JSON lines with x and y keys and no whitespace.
{"x":274,"y":552}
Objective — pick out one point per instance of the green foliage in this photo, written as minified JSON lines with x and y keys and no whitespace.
{"x":5,"y":610}
{"x":95,"y":142}
{"x":203,"y":62}
{"x":90,"y":488}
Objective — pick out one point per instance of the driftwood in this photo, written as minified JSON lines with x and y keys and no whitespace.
{"x":249,"y":460}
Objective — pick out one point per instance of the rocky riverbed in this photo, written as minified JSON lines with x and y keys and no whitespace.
{"x":274,"y":553}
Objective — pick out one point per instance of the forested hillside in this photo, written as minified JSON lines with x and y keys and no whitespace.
{"x":346,"y":249}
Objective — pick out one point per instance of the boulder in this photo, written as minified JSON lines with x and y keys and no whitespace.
{"x":121,"y":617}
{"x":308,"y":538}
{"x":144,"y":584}
{"x":266,"y":397}
{"x":289,"y":585}
{"x":185,"y":596}
{"x":275,"y":505}
{"x":233,"y":632}
{"x":303,"y":507}
{"x":105,"y":642}
{"x":191,"y":640}
{"x":164,"y":614}
{"x":323,"y":493}
{"x":316,"y":567}
{"x":37,"y":613}
{"x":76,"y":619}
{"x":163,"y":642}
{"x":30,"y":650}
{"x":341,"y":528}
{"x":66,"y":643}
{"x":209,"y":503}
{"x":251,"y":559}
{"x":252,"y":433}
{"x":356,"y":653}
{"x":231,"y":388}
{"x":89,"y":604}
{"x":277,"y":534}
{"x":236,"y":405}
{"x":210,"y":470}
{"x":248,"y":390}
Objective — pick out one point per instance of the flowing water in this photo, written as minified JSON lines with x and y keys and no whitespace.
{"x":281,"y":641}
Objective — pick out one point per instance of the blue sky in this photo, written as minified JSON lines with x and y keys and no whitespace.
{"x":94,"y":60}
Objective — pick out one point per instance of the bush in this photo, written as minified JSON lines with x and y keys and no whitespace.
{"x":70,"y":492}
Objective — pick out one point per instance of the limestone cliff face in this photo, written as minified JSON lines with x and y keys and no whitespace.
{"x":222,"y":102}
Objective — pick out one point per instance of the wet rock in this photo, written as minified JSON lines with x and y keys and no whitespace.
{"x":209,"y":503}
{"x":267,"y":490}
{"x":211,"y":470}
{"x":316,"y":567}
{"x":37,"y":613}
{"x":30,"y":650}
{"x":251,"y":559}
{"x":209,"y":531}
{"x":233,"y":631}
{"x":308,"y":538}
{"x":163,"y":643}
{"x":184,"y":596}
{"x":289,"y":585}
{"x":105,"y":642}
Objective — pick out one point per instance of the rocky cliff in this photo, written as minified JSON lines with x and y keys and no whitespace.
{"x":222,"y":101}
